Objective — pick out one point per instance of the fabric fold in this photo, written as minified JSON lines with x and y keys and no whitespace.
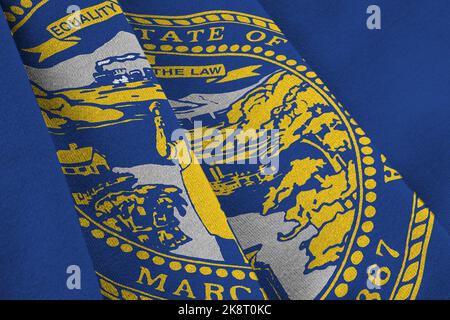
{"x":240,"y":177}
{"x":39,"y":234}
{"x":313,"y":200}
{"x":153,"y":225}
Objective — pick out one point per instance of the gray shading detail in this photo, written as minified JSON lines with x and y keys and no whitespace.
{"x":284,"y":257}
{"x":77,"y":71}
{"x":203,"y":245}
{"x":198,"y":104}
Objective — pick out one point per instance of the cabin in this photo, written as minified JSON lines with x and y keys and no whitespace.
{"x":81,"y":161}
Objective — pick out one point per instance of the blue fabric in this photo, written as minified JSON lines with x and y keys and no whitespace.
{"x":39,"y":233}
{"x":237,"y":50}
{"x":332,"y":220}
{"x":153,"y":226}
{"x":394,"y":80}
